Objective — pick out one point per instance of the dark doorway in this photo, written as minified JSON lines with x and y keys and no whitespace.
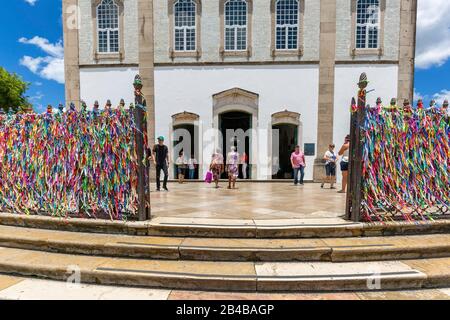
{"x":191,"y":150}
{"x":288,"y":139}
{"x":234,"y":121}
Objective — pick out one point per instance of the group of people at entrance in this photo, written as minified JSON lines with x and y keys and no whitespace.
{"x":231,"y":167}
{"x":160,"y":157}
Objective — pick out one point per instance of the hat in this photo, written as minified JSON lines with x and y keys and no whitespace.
{"x":122,"y":102}
{"x":96,"y":103}
{"x":108,"y":103}
{"x":445,"y":105}
{"x":160,"y":138}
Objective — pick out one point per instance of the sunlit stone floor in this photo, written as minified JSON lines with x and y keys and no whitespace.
{"x":250,"y":201}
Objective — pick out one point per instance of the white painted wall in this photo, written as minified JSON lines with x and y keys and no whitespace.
{"x":291,"y":87}
{"x":113,"y":83}
{"x":382,"y":78}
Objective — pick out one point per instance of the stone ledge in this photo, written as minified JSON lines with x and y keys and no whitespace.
{"x":222,"y":249}
{"x":227,"y":228}
{"x":230,"y":276}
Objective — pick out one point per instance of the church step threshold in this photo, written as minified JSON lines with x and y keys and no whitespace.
{"x":228,"y":276}
{"x":225,"y":249}
{"x":230,"y":228}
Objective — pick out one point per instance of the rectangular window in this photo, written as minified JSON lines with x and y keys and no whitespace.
{"x":287,"y":24}
{"x":367,"y":24}
{"x":108,"y":27}
{"x":236,"y":25}
{"x":185,"y":25}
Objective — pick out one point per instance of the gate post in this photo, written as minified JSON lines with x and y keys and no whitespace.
{"x":143,"y":186}
{"x":353,"y":205}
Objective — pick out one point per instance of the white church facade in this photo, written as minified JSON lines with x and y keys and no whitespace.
{"x":290,"y":65}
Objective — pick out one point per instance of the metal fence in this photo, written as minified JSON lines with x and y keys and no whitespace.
{"x":400,"y":162}
{"x":78,"y":163}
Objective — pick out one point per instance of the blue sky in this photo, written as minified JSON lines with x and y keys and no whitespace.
{"x":31,"y":33}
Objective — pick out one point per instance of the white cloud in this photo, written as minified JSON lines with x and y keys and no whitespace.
{"x":31,"y":2}
{"x":433,"y":33}
{"x":50,"y":67}
{"x":441,"y":96}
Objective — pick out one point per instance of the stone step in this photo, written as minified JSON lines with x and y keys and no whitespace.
{"x":226,"y":249}
{"x":229,"y":228}
{"x":229,"y":276}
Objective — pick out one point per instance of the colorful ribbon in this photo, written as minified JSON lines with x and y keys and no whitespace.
{"x":406,"y":164}
{"x":69,"y":164}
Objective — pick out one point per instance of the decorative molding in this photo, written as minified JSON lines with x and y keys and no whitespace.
{"x":184,"y":118}
{"x":367,"y":52}
{"x":236,"y":97}
{"x":198,"y":27}
{"x":237,"y":63}
{"x":244,"y":53}
{"x":286,"y":117}
{"x":301,"y":15}
{"x":119,"y":56}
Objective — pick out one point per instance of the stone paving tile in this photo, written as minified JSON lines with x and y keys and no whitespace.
{"x":432,"y":267}
{"x":8,"y":281}
{"x":329,"y":270}
{"x":200,"y":221}
{"x":430,"y":294}
{"x":202,"y":295}
{"x":35,"y":289}
{"x":251,"y":201}
{"x":253,"y":243}
{"x":207,"y":268}
{"x":37,"y":259}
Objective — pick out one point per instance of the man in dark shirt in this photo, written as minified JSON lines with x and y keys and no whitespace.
{"x":161,"y":160}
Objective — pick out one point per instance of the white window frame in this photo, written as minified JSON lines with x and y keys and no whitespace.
{"x":235,"y":29}
{"x":184,"y":29}
{"x":369,"y":26}
{"x":286,"y":27}
{"x":108,"y":30}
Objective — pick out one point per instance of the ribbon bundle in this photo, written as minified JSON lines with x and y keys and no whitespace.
{"x":75,"y":163}
{"x":406,"y":164}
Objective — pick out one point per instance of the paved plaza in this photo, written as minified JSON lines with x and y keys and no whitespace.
{"x":252,"y":200}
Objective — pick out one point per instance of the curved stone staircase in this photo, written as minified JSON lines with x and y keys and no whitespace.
{"x":229,"y":255}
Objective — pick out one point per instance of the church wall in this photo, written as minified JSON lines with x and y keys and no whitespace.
{"x":382,"y":78}
{"x":191,"y":89}
{"x":344,"y":32}
{"x":112,"y":83}
{"x":210,"y":34}
{"x":130,"y":35}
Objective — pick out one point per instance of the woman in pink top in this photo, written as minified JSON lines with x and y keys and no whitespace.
{"x":298,"y":164}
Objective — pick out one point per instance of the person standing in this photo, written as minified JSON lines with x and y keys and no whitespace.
{"x":330,"y":166}
{"x":161,"y":160}
{"x":344,"y":153}
{"x":298,"y":164}
{"x":181,"y":167}
{"x":232,"y":167}
{"x":192,"y":166}
{"x":216,"y":166}
{"x":244,"y":163}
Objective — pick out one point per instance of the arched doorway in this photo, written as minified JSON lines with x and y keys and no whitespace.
{"x":230,"y":124}
{"x":286,"y":134}
{"x":237,"y":109}
{"x":185,"y":137}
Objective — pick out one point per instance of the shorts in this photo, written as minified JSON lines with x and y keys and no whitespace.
{"x":330,"y":169}
{"x":344,"y":166}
